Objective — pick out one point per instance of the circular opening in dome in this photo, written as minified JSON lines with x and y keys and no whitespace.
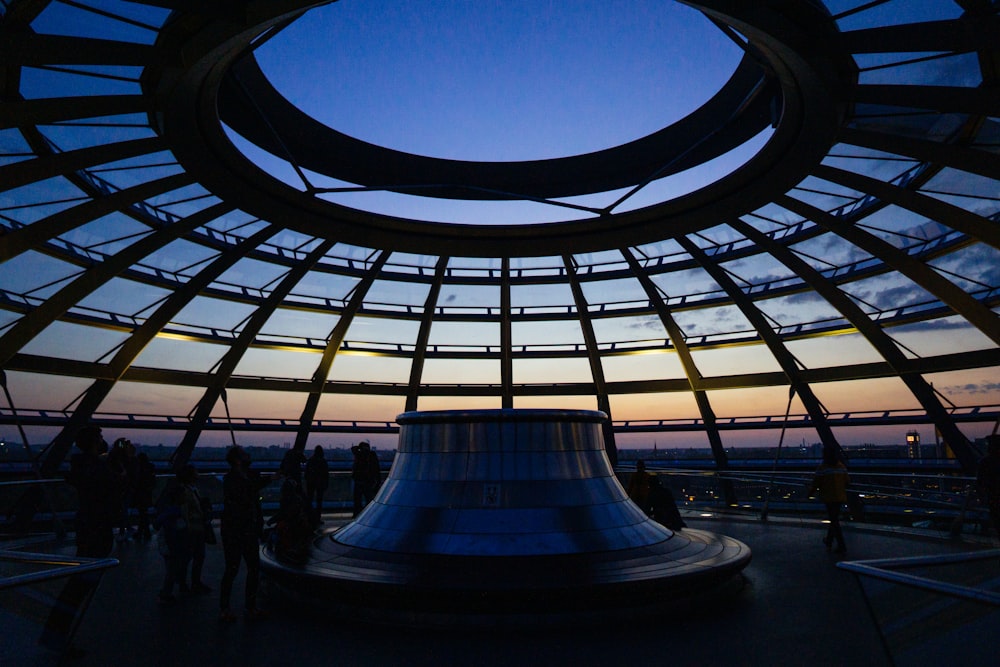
{"x":485,"y":81}
{"x":605,"y":114}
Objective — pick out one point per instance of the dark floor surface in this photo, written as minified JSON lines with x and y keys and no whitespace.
{"x":796,"y":608}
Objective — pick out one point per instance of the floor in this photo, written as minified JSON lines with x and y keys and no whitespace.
{"x":795,"y":608}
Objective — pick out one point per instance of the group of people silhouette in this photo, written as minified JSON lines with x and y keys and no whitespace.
{"x":111,"y":482}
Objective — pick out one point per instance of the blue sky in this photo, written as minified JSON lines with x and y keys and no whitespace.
{"x":486,"y":80}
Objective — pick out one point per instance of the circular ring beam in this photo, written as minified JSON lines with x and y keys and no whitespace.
{"x":792,"y":48}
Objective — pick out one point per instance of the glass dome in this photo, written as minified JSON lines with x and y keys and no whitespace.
{"x":185,"y":250}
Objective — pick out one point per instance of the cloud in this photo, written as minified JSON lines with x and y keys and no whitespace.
{"x":805,"y":298}
{"x":648,"y":323}
{"x":973,"y":388}
{"x":903,"y":295}
{"x":938,"y":325}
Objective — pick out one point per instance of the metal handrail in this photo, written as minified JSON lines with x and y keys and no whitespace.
{"x":878,"y":570}
{"x":66,"y":566}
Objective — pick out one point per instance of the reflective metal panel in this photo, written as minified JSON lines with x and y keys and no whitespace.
{"x":485,"y":482}
{"x":499,"y":511}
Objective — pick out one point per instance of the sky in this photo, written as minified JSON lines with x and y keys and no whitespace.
{"x":478,"y":80}
{"x":487,"y":81}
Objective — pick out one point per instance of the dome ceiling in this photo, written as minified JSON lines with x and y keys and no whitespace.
{"x":184,"y":249}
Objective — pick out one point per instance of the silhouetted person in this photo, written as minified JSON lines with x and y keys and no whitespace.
{"x":638,"y":486}
{"x":988,"y":480}
{"x":831,"y":480}
{"x":366,"y":475}
{"x":98,"y":492}
{"x":242,"y":528}
{"x":193,"y":512}
{"x":291,"y":465}
{"x":292,"y":522}
{"x":172,"y":541}
{"x":663,"y":506}
{"x":317,"y":481}
{"x":145,"y":482}
{"x":123,"y":464}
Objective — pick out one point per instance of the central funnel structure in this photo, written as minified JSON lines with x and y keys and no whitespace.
{"x":506,"y":512}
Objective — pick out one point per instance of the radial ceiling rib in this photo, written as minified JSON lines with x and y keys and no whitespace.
{"x":964,"y":158}
{"x":63,"y":109}
{"x":16,"y":174}
{"x":32,"y":49}
{"x":786,"y":361}
{"x":948,"y":292}
{"x":118,"y":366}
{"x":875,"y":335}
{"x":946,"y":99}
{"x":38,"y":233}
{"x":424,"y":334}
{"x":506,"y":338}
{"x":238,"y":348}
{"x":970,"y":224}
{"x":959,"y":35}
{"x":684,"y":353}
{"x":593,"y":355}
{"x":90,"y":280}
{"x":333,"y":344}
{"x":21,"y":13}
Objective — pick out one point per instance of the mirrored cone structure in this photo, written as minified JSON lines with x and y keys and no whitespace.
{"x":492,"y":514}
{"x":157,"y":274}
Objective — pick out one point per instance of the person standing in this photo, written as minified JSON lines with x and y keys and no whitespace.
{"x":663,"y":506}
{"x":638,"y":486}
{"x":143,"y":499}
{"x":193,"y":511}
{"x":172,"y":540}
{"x":123,"y":464}
{"x":988,"y":480}
{"x":99,"y":507}
{"x":366,"y":474}
{"x":242,"y":526}
{"x":317,"y":479}
{"x":830,"y":481}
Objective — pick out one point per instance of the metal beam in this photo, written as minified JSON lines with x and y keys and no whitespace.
{"x":593,"y":356}
{"x":948,"y":292}
{"x":684,"y":353}
{"x":958,"y":361}
{"x":878,"y":338}
{"x":16,"y":174}
{"x":506,"y":338}
{"x":946,"y":99}
{"x":238,"y":348}
{"x":786,"y":361}
{"x":970,"y":224}
{"x":964,"y":158}
{"x":332,"y":347}
{"x":423,"y":335}
{"x":958,"y":35}
{"x":56,"y":305}
{"x":129,"y":351}
{"x":40,"y":232}
{"x":31,"y":49}
{"x":61,"y":109}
